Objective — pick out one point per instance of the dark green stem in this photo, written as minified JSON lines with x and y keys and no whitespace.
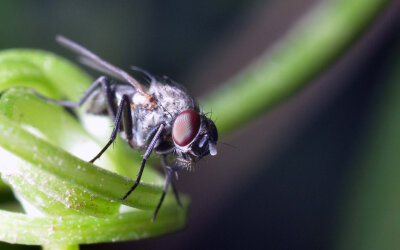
{"x":311,"y":47}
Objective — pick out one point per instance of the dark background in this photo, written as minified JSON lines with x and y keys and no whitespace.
{"x":280,"y":185}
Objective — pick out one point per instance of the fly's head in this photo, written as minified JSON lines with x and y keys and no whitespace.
{"x":194,"y":136}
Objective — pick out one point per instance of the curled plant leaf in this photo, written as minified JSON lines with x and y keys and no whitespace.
{"x":75,"y":229}
{"x":77,"y":202}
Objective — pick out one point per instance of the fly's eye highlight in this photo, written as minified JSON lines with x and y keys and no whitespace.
{"x":185,"y":127}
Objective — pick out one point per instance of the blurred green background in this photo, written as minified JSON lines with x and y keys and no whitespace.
{"x":308,"y":175}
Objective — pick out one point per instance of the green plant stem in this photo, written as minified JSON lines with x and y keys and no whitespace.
{"x":311,"y":47}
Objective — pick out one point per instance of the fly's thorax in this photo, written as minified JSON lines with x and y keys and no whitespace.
{"x":140,"y":100}
{"x":172,"y":99}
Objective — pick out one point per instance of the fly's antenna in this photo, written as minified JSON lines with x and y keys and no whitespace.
{"x":92,"y":60}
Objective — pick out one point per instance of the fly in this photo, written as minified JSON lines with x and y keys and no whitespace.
{"x":160,"y":118}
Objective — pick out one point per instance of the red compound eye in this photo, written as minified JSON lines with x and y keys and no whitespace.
{"x":185,"y":128}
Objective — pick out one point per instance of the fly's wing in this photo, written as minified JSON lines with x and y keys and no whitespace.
{"x":94,"y":61}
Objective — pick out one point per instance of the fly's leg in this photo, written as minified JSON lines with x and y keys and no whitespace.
{"x":123,"y":109}
{"x":123,"y":113}
{"x":101,"y":80}
{"x":166,"y":167}
{"x":178,"y":200}
{"x":168,"y":176}
{"x":144,"y":159}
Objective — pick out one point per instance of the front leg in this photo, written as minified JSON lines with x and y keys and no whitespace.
{"x":168,"y":176}
{"x":169,"y":172}
{"x":175,"y":169}
{"x":145,"y":157}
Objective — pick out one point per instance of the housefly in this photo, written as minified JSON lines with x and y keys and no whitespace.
{"x":160,"y":118}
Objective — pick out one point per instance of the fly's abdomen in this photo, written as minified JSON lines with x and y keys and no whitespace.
{"x":97,"y":103}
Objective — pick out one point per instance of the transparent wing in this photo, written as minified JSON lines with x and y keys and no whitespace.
{"x":94,"y":61}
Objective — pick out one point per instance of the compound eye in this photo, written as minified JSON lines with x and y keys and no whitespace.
{"x":185,"y":127}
